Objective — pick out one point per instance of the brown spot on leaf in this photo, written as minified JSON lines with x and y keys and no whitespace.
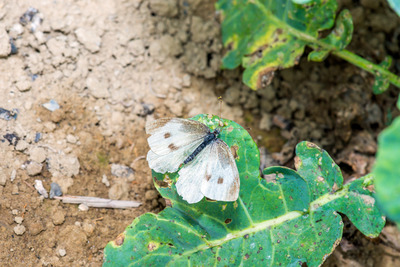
{"x":279,"y":31}
{"x":228,"y":221}
{"x":167,"y":135}
{"x":151,"y":246}
{"x":173,"y":147}
{"x":234,"y":150}
{"x":162,"y":184}
{"x":220,"y":180}
{"x":246,"y":256}
{"x":265,"y":77}
{"x":119,"y":240}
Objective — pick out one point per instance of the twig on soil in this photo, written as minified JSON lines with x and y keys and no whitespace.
{"x":98,"y":202}
{"x":138,"y":158}
{"x":152,"y":91}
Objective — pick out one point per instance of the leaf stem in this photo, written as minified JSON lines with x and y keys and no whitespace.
{"x":314,"y":42}
{"x":367,"y":66}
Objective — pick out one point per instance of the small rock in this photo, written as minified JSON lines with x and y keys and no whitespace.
{"x":37,"y":154}
{"x":165,"y":8}
{"x":13,"y":175}
{"x":105,"y":181}
{"x":122,"y":171}
{"x":19,"y":229}
{"x":22,"y":145}
{"x":88,"y":228}
{"x":3,"y":178}
{"x":18,"y":219}
{"x":5,"y":46}
{"x":89,"y":39}
{"x":35,"y":228}
{"x":24,"y":85}
{"x":58,"y":217}
{"x":49,"y":126}
{"x":40,"y":188}
{"x":16,"y":30}
{"x":52,"y":105}
{"x":83,"y":207}
{"x":71,"y":139}
{"x":14,"y":212}
{"x":151,"y":194}
{"x":34,"y":168}
{"x":186,"y":80}
{"x":119,"y":190}
{"x":14,"y":189}
{"x":62,"y":252}
{"x":55,"y":190}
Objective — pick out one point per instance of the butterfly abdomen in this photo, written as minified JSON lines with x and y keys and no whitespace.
{"x":211,"y":137}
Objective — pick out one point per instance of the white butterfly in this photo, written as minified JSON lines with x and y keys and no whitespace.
{"x":209,"y":167}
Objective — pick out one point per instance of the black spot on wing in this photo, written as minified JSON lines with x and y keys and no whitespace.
{"x":220,"y":180}
{"x":167,"y":135}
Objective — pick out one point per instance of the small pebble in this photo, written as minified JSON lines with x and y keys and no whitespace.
{"x":58,"y":217}
{"x":24,"y":85}
{"x":62,"y":252}
{"x":14,"y":212}
{"x":19,"y":229}
{"x":55,"y":190}
{"x":15,"y":190}
{"x":3,"y":178}
{"x":22,"y":145}
{"x":40,"y":188}
{"x":18,"y":219}
{"x":35,"y":228}
{"x":34,"y":168}
{"x":71,"y":139}
{"x":52,"y":105}
{"x":38,"y":154}
{"x":105,"y":181}
{"x":13,"y":175}
{"x":83,"y":207}
{"x":122,"y":171}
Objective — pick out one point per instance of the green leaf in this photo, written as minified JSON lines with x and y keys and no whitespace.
{"x":395,"y":4}
{"x":381,"y":83}
{"x":398,"y":102}
{"x":266,"y":35}
{"x":340,"y":37}
{"x":387,"y":171}
{"x":271,"y":223}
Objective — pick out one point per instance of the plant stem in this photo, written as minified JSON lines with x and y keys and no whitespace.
{"x":368,"y":66}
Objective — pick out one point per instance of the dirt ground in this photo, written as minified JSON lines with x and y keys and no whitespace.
{"x":112,"y":65}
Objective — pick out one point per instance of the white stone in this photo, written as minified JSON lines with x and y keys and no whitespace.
{"x":19,"y":219}
{"x":19,"y":229}
{"x":62,"y":252}
{"x":22,"y":145}
{"x":34,"y":168}
{"x":71,"y":139}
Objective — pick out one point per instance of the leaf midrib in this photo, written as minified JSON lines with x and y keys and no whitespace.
{"x":255,"y":227}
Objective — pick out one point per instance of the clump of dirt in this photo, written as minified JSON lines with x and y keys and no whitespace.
{"x":110,"y":66}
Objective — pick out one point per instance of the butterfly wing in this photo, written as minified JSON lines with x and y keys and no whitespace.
{"x":190,"y":178}
{"x":213,"y":173}
{"x":221,"y":180}
{"x":171,"y":134}
{"x":171,"y":141}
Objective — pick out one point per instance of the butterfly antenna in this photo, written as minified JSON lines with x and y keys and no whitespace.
{"x":220,"y":111}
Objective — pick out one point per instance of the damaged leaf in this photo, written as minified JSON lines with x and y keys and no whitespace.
{"x":264,"y":36}
{"x":291,"y":220}
{"x":387,"y":171}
